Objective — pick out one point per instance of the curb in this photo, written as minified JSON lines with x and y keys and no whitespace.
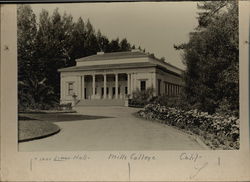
{"x":200,"y":142}
{"x":39,"y":137}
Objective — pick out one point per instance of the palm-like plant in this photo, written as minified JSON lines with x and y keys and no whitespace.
{"x":33,"y":93}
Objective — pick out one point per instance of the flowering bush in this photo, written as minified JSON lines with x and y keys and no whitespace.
{"x":217,"y":131}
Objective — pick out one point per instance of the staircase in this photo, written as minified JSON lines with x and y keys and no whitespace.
{"x":101,"y":102}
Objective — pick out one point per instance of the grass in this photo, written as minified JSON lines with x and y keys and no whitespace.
{"x":30,"y":129}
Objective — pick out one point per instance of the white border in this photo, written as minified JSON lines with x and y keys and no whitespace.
{"x":22,"y":166}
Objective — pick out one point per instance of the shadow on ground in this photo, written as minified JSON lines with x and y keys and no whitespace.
{"x":59,"y":117}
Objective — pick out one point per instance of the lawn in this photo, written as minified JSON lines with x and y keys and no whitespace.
{"x":30,"y":129}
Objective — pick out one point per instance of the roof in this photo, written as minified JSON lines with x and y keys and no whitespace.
{"x":114,"y":55}
{"x":116,"y":66}
{"x":122,"y":55}
{"x":107,"y":66}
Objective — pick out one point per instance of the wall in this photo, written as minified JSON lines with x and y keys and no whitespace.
{"x":169,"y":78}
{"x":150,"y":75}
{"x":65,"y":97}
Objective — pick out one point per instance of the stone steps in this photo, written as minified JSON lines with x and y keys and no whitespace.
{"x":101,"y":102}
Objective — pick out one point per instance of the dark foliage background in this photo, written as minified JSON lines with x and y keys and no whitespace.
{"x":212,"y":59}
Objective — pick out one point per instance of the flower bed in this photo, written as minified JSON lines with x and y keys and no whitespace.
{"x":217,"y":131}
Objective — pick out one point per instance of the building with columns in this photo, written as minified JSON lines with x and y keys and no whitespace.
{"x":111,"y":78}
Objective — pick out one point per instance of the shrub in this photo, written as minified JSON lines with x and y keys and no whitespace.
{"x":141,"y":98}
{"x":220,"y":130}
{"x":67,"y":106}
{"x":34,"y":93}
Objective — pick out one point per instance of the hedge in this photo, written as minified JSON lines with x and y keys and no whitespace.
{"x":217,"y":131}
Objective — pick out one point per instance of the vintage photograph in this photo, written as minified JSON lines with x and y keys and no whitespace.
{"x":128,"y":76}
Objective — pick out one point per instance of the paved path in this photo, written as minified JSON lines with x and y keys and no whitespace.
{"x":122,"y":131}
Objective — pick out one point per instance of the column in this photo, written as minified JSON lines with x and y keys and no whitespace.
{"x":83,"y":87}
{"x":171,"y":89}
{"x":62,"y":87}
{"x":105,"y":86}
{"x":167,"y":88}
{"x":79,"y":87}
{"x":93,"y":87}
{"x":116,"y":86}
{"x":128,"y":82}
{"x":154,"y":84}
{"x":131,"y":83}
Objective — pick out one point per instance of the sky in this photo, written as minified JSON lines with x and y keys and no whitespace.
{"x":155,"y":26}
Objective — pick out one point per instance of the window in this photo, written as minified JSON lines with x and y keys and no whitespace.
{"x":102,"y":91}
{"x":126,"y":90}
{"x":113,"y":90}
{"x":173,"y":90}
{"x":169,"y":90}
{"x":70,"y":88}
{"x":143,"y":85}
{"x":159,"y":87}
{"x":166,"y":88}
{"x":85,"y":93}
{"x":107,"y":91}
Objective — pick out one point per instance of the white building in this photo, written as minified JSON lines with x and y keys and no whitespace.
{"x":110,"y":78}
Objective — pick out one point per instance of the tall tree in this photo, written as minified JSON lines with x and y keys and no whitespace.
{"x":78,"y":41}
{"x":53,"y":45}
{"x":212,"y":58}
{"x":91,"y":44}
{"x":26,"y":33}
{"x":103,"y":42}
{"x":125,"y":46}
{"x":114,"y":45}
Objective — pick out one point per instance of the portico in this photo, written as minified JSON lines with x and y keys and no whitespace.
{"x":105,"y":86}
{"x":115,"y":76}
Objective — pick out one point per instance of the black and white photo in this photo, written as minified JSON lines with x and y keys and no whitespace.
{"x":128,"y":80}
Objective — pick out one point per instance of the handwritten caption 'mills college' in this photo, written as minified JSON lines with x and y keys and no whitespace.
{"x":132,"y":156}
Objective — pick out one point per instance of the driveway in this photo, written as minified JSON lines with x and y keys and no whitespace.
{"x":118,"y":130}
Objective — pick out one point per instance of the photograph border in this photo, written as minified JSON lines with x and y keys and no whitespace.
{"x":40,"y":166}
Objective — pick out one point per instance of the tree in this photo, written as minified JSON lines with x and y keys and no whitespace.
{"x":125,"y":46}
{"x":26,"y":33}
{"x":53,"y":45}
{"x":212,"y":58}
{"x":91,"y":44}
{"x":78,"y":39}
{"x":114,"y":46}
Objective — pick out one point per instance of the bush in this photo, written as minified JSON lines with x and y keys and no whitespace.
{"x":221,"y":131}
{"x":34,"y":93}
{"x":141,"y":98}
{"x":67,"y":106}
{"x":170,"y":101}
